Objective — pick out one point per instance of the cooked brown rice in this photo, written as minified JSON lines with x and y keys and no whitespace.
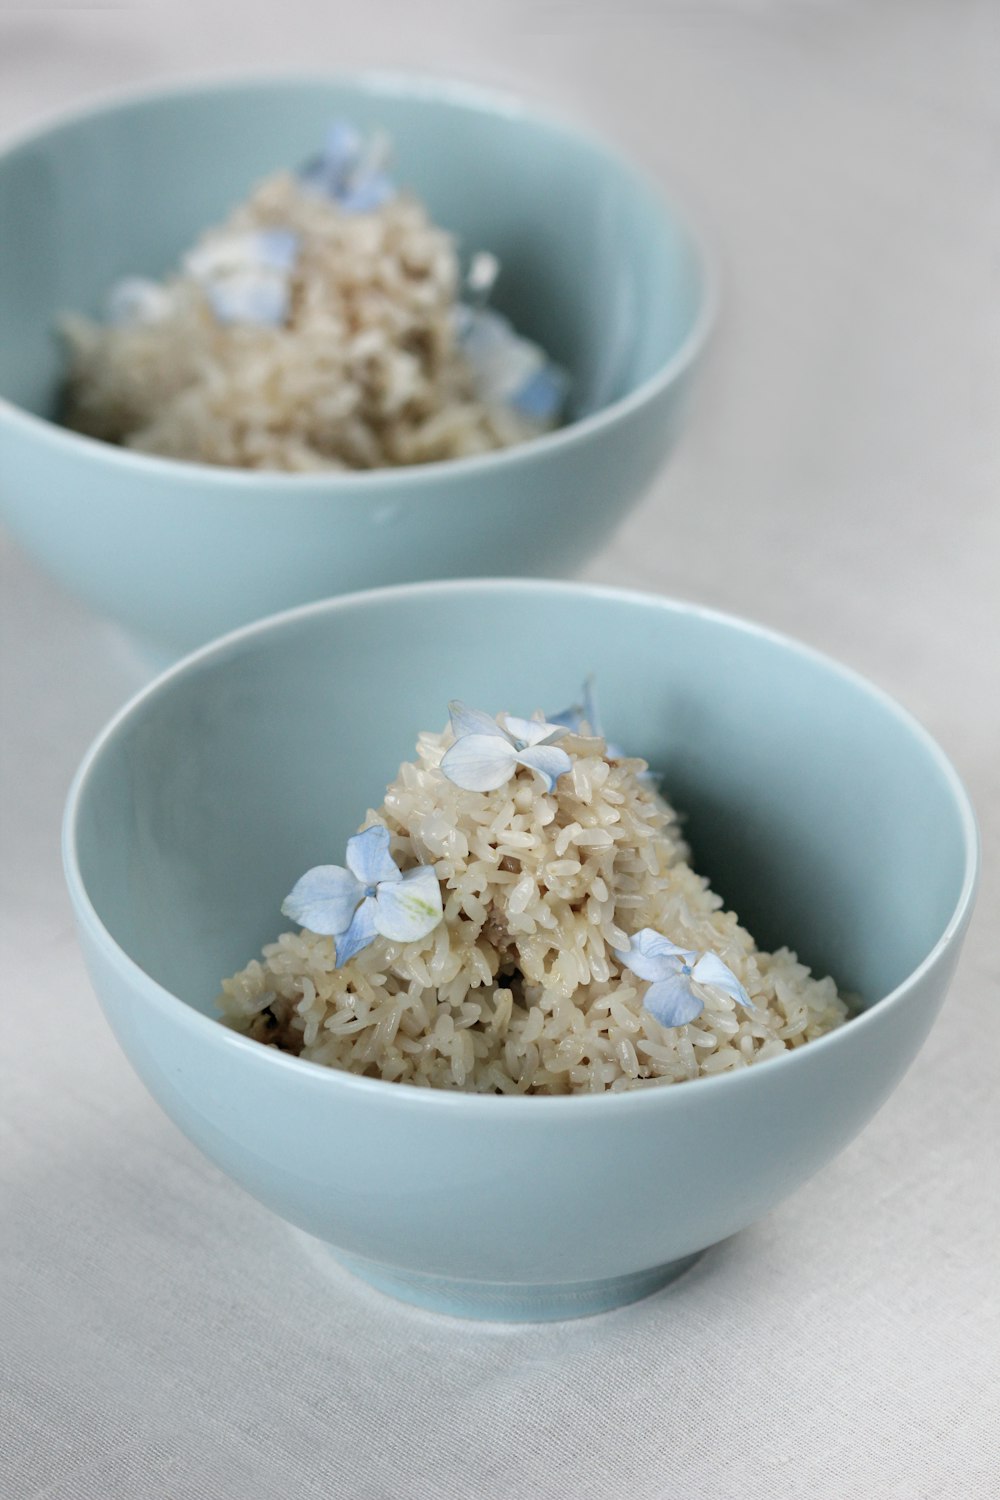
{"x":366,"y":372}
{"x":518,"y":990}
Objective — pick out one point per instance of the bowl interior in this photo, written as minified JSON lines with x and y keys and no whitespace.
{"x":819,"y":811}
{"x":595,"y":266}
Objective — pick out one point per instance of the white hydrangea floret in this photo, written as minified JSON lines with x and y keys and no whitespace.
{"x":673,"y":972}
{"x":486,"y":753}
{"x":371,"y":897}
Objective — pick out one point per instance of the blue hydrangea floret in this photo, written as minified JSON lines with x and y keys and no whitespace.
{"x":135,"y":300}
{"x":486,"y":753}
{"x":508,"y":368}
{"x":350,"y":170}
{"x":582,"y":717}
{"x":246,"y":275}
{"x":673,"y":973}
{"x":371,"y":897}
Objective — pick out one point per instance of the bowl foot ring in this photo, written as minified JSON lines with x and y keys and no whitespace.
{"x":509,"y":1302}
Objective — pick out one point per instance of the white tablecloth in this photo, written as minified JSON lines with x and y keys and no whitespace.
{"x":163,"y":1336}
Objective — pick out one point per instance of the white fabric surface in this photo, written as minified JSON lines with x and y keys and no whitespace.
{"x":163,"y":1336}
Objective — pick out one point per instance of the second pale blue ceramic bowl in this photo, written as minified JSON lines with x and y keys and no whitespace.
{"x":597,"y":267}
{"x":820,"y":810}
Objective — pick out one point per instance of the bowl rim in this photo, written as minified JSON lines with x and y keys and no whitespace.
{"x":212,"y":1030}
{"x":418,"y":86}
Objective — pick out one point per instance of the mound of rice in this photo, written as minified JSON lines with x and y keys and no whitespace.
{"x":518,"y":990}
{"x":366,"y":371}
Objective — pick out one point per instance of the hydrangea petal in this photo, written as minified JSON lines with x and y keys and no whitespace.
{"x":581,"y":715}
{"x":277,"y":248}
{"x":654,"y":943}
{"x":465,"y":720}
{"x":672,"y":1001}
{"x":480,"y":762}
{"x":349,"y":172}
{"x":501,"y":360}
{"x":523,"y":731}
{"x":368,"y":856}
{"x":360,"y":933}
{"x":411,"y":908}
{"x":646,"y":967}
{"x":249,"y":297}
{"x":583,"y":718}
{"x":589,"y":706}
{"x":712,"y":971}
{"x":548,"y":760}
{"x":543,"y":394}
{"x":652,"y":956}
{"x":324,"y":899}
{"x":224,"y":255}
{"x":135,"y":300}
{"x":328,"y":172}
{"x":533,"y":731}
{"x":570,"y":718}
{"x":342,"y":145}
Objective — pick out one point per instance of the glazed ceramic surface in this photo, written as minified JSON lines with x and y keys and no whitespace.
{"x":821,"y":812}
{"x":596,"y":267}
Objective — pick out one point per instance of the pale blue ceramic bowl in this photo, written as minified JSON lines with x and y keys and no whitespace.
{"x":823,"y":813}
{"x":596,"y":266}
